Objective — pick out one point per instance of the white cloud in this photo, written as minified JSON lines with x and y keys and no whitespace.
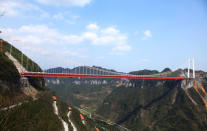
{"x":34,"y":34}
{"x":44,"y":44}
{"x":9,"y":7}
{"x":58,"y":16}
{"x":91,"y":36}
{"x":23,"y":8}
{"x":66,"y":17}
{"x":120,"y":49}
{"x":72,"y":39}
{"x":109,"y":36}
{"x":123,"y":48}
{"x":147,"y":34}
{"x":65,"y":2}
{"x":92,"y":27}
{"x":43,"y":36}
{"x":20,"y":8}
{"x":105,"y":40}
{"x":110,"y":30}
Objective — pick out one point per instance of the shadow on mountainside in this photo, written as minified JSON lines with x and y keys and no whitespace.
{"x":138,"y":108}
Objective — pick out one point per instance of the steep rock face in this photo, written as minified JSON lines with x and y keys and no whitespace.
{"x":23,"y":63}
{"x":8,"y":72}
{"x":162,"y":105}
{"x":11,"y":83}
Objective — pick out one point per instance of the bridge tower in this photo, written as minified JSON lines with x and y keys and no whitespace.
{"x":191,"y":63}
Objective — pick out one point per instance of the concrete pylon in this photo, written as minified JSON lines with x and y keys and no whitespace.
{"x":191,"y":63}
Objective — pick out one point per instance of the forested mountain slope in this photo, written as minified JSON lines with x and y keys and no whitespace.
{"x":20,"y":109}
{"x":156,"y":105}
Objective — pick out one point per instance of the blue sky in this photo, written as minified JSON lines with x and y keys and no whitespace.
{"x":124,"y":35}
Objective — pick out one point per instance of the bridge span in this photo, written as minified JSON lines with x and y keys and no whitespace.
{"x":121,"y":76}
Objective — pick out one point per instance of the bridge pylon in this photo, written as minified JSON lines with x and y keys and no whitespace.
{"x":191,"y":63}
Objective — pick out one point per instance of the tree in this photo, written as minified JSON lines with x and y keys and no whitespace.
{"x":167,"y":70}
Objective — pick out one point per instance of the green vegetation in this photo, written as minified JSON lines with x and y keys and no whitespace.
{"x":166,"y":70}
{"x":144,"y":72}
{"x":149,"y":105}
{"x":27,"y":63}
{"x":90,"y":95}
{"x":63,"y":110}
{"x":10,"y":84}
{"x":80,"y":95}
{"x":75,"y":117}
{"x":162,"y":106}
{"x":34,"y":115}
{"x":102,"y":126}
{"x":90,"y":123}
{"x":131,"y":99}
{"x":8,"y":71}
{"x":176,"y":73}
{"x":183,"y":115}
{"x":17,"y":54}
{"x":10,"y":92}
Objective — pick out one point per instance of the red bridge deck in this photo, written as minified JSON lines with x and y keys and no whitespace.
{"x":43,"y":74}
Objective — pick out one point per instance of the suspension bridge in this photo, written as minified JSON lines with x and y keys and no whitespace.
{"x":44,"y":74}
{"x":92,"y":72}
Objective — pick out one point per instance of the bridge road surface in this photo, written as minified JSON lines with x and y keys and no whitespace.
{"x":43,"y":74}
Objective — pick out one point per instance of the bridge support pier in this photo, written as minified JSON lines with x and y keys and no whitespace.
{"x":24,"y":82}
{"x":187,"y":83}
